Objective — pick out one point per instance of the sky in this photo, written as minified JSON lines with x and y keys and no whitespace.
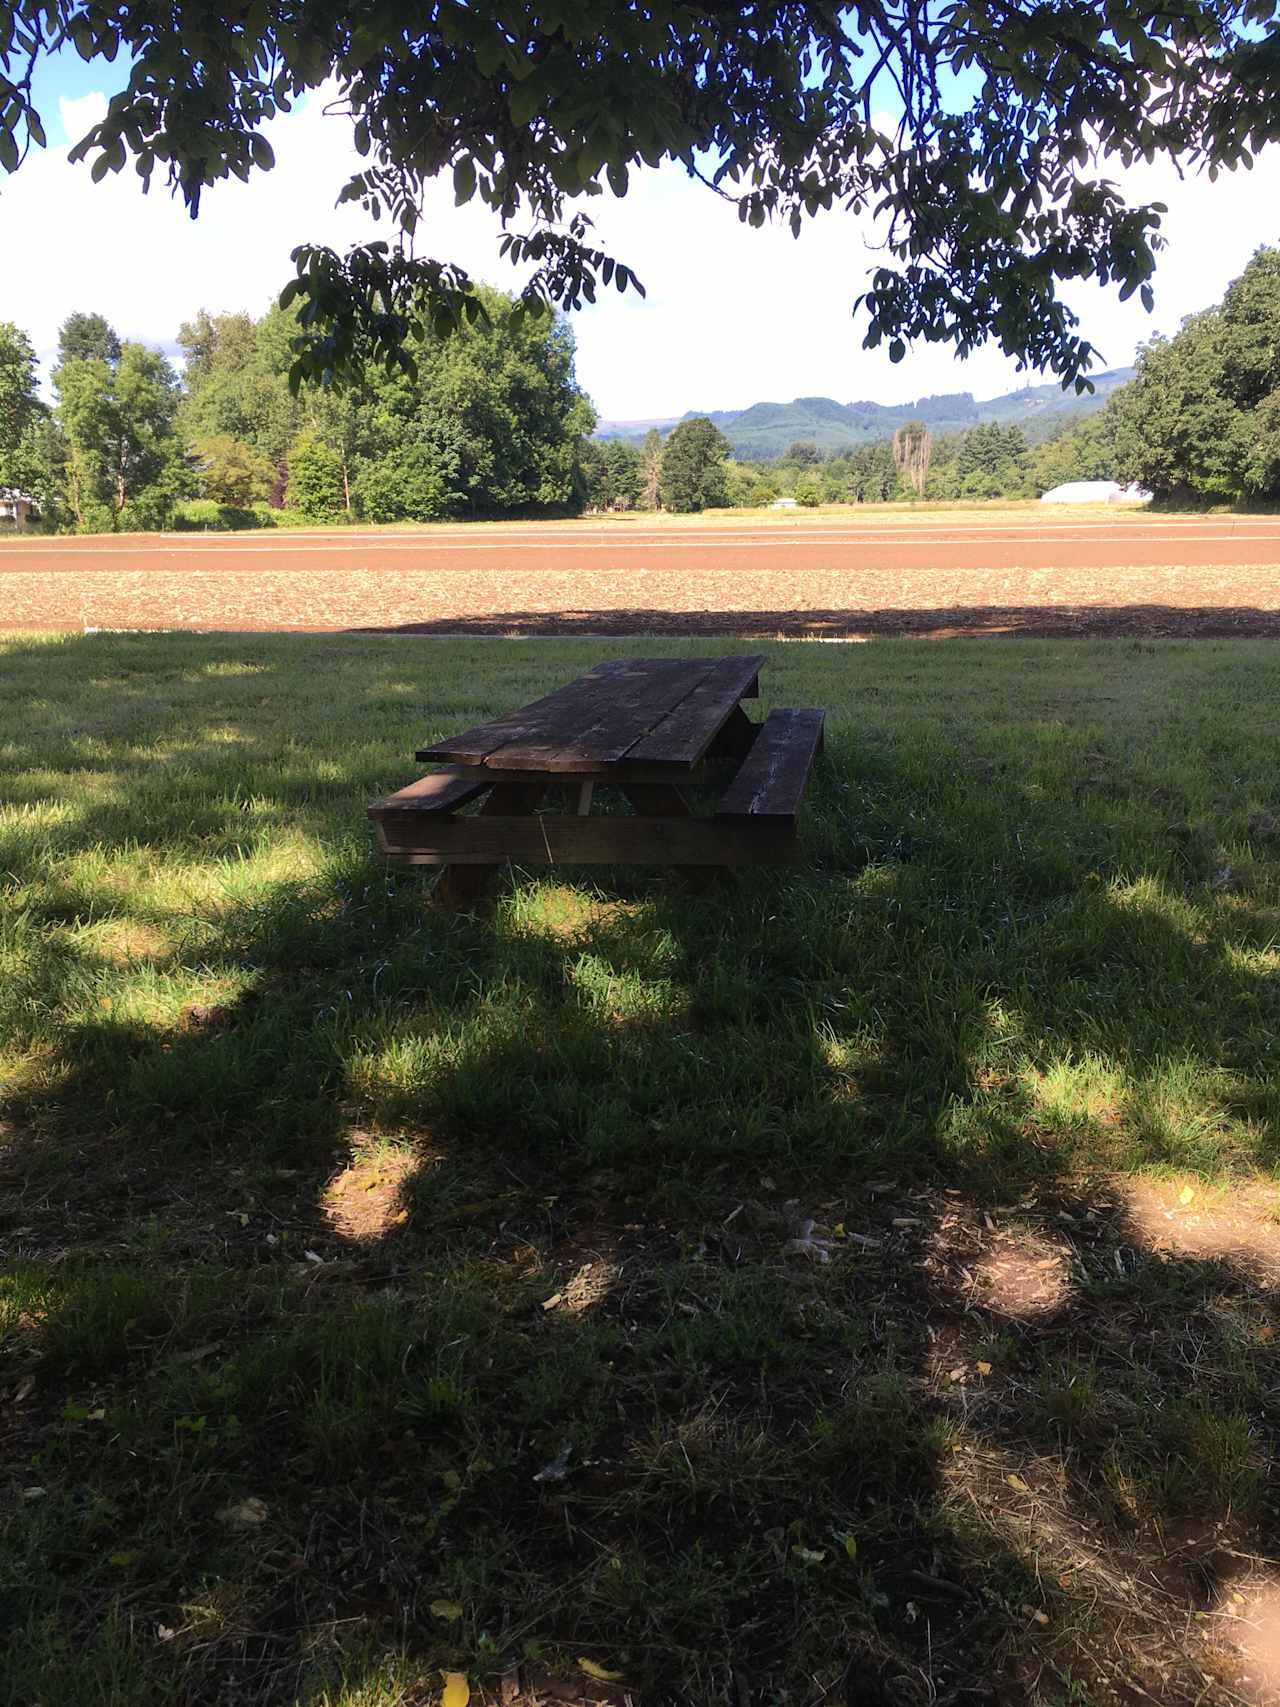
{"x":732,"y":316}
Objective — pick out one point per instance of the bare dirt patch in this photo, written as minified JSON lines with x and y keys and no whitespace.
{"x":1199,"y":576}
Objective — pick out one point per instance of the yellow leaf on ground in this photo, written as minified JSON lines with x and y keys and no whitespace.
{"x":984,"y":1369}
{"x":457,"y":1691}
{"x":1185,"y":1195}
{"x":447,"y":1609}
{"x":1017,"y":1483}
{"x":599,"y":1672}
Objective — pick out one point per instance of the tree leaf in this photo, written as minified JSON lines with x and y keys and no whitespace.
{"x":449,"y":1610}
{"x":457,"y":1690}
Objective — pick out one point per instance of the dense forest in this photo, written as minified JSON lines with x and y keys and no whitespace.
{"x":490,"y":421}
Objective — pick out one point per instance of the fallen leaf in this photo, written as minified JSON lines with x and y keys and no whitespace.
{"x":457,"y":1691}
{"x":164,"y":1633}
{"x":1186,"y":1195}
{"x":244,"y":1514}
{"x":555,"y":1298}
{"x":1017,"y":1483}
{"x":851,"y":1546}
{"x":25,"y":1388}
{"x":558,"y":1467}
{"x":449,"y":1610}
{"x":1266,"y":1332}
{"x":123,"y":1559}
{"x":311,"y":1256}
{"x":984,"y":1369}
{"x":34,"y":1493}
{"x":599,"y":1672}
{"x":807,"y":1556}
{"x":956,"y":1375}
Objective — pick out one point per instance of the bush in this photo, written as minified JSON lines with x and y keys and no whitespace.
{"x":315,"y":480}
{"x":203,"y":515}
{"x":407,"y":486}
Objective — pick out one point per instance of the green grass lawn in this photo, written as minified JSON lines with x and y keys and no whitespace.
{"x":387,"y":1292}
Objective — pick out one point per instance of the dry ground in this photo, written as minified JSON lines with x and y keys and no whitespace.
{"x":1088,"y":572}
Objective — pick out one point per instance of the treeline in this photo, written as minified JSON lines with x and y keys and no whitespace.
{"x":487,"y":422}
{"x":491,"y":422}
{"x":987,"y":461}
{"x":1200,"y":423}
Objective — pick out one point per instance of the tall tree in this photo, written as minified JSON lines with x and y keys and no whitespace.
{"x":1199,"y":420}
{"x":693,"y":467}
{"x":88,"y":338}
{"x":124,"y":463}
{"x":20,"y":405}
{"x":912,"y":450}
{"x":651,"y":470}
{"x":986,"y":175}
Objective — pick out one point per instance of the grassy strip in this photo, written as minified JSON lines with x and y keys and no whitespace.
{"x":757,"y":1296}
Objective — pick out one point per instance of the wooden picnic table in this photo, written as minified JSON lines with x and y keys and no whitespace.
{"x":654,"y":728}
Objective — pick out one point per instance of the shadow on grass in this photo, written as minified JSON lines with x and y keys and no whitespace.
{"x":762,"y":1309}
{"x":1046,"y":622}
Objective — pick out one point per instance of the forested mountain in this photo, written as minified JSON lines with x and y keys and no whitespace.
{"x":765,"y":430}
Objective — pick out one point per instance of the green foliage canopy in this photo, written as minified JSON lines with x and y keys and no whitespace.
{"x":1202,"y":419}
{"x":20,"y":406}
{"x":124,"y":461}
{"x":987,"y":174}
{"x":693,"y":473}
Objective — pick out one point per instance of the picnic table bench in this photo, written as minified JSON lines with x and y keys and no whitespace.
{"x":652,"y":727}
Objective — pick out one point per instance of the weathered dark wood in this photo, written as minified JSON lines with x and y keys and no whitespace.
{"x":441,"y":791}
{"x":596,"y":722}
{"x":465,"y":882}
{"x":770,"y":784}
{"x":577,"y":702}
{"x":550,"y":839}
{"x":688,"y":730}
{"x":640,"y":696}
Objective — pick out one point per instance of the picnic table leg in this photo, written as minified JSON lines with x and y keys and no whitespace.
{"x":460,"y":886}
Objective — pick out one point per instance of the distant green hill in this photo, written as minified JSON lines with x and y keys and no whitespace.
{"x":766,"y":430}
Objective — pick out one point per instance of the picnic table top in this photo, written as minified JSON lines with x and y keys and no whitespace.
{"x":625,"y":712}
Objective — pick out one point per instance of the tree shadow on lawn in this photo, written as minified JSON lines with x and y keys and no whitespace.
{"x":1047,"y":621}
{"x":767,"y":1320}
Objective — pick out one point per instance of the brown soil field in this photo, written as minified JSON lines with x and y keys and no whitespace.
{"x":962,"y":573}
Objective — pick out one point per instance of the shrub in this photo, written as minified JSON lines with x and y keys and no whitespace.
{"x":315,"y":480}
{"x":407,"y":486}
{"x":203,"y":515}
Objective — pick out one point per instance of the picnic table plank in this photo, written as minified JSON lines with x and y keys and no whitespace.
{"x":555,"y":839}
{"x":687,"y":731}
{"x":442,"y":791}
{"x":578,"y":700}
{"x":640,"y":696}
{"x":770,"y":784}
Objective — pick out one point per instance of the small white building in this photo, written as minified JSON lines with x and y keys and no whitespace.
{"x":16,"y":508}
{"x":1095,"y":492}
{"x":784,"y":504}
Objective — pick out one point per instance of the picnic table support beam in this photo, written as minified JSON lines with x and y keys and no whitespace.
{"x":461,"y":886}
{"x":664,"y":800}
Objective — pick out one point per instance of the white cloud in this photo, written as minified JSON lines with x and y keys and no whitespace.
{"x":79,"y":114}
{"x":732,"y":315}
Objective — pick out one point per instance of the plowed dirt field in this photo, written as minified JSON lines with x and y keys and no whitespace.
{"x":1127,"y":573}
